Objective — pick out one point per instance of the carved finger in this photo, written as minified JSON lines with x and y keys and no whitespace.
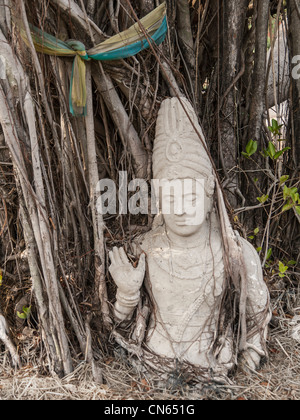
{"x":117,"y":257}
{"x":123,"y":256}
{"x":142,"y":263}
{"x":111,"y":257}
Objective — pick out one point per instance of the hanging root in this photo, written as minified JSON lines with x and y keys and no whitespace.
{"x":4,"y":337}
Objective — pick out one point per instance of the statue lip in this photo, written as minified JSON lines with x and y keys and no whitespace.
{"x":187,"y":222}
{"x":182,"y":223}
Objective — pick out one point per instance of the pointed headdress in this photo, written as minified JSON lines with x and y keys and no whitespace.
{"x":178,"y":151}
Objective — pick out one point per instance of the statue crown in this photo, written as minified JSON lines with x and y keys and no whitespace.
{"x":178,"y":151}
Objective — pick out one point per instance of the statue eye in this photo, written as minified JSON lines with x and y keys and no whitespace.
{"x":168,"y":199}
{"x":191,"y":199}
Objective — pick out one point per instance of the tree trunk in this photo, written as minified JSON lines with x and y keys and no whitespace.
{"x":257,"y":107}
{"x":294,"y":37}
{"x":232,"y":68}
{"x":255,"y":183}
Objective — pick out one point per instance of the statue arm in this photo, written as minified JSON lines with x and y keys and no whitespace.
{"x":125,"y":306}
{"x":129,"y":281}
{"x":258,"y":305}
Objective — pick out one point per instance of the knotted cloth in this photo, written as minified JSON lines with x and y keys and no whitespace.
{"x":123,"y":45}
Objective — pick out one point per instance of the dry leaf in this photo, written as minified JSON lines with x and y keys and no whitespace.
{"x":145,"y":385}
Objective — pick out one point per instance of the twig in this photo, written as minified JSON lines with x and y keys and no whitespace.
{"x":282,"y":348}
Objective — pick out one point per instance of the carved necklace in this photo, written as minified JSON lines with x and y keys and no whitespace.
{"x":187,"y":263}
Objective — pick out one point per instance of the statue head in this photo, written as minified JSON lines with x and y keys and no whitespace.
{"x":181,"y":161}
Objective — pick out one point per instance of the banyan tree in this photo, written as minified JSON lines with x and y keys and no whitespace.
{"x":81,"y":85}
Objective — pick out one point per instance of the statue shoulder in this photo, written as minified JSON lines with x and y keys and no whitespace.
{"x":251,"y":257}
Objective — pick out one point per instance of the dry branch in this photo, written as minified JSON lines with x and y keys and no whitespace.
{"x":98,"y":224}
{"x":70,"y":7}
{"x":128,"y":134}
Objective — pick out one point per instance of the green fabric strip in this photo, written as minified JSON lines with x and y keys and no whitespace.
{"x":123,"y":45}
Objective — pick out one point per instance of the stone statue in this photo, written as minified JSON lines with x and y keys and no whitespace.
{"x":182,"y":264}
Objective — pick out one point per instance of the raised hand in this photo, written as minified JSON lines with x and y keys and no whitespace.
{"x":128,"y":279}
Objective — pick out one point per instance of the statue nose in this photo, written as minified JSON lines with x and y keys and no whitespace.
{"x":179,"y":211}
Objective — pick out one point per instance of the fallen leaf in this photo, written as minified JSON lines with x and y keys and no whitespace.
{"x":264,"y":383}
{"x":145,"y":385}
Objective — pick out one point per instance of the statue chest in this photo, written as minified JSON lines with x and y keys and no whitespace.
{"x":185,"y":281}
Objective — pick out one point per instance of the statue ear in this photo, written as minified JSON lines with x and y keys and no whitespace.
{"x":211,"y":185}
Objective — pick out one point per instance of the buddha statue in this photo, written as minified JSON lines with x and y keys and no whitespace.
{"x":182,"y":263}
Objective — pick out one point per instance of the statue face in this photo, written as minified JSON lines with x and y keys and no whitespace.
{"x":185,"y":206}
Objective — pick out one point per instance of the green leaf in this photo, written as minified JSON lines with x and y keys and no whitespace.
{"x":282,"y":268}
{"x":275,"y":128}
{"x":292,"y":262}
{"x":263,"y":199}
{"x":271,"y":150}
{"x":25,"y":314}
{"x":256,"y":231}
{"x":269,"y":253}
{"x":297,"y":210}
{"x":295,"y":197}
{"x":245,"y":155}
{"x":291,"y":193}
{"x":281,"y":152}
{"x":26,"y":310}
{"x":251,"y":148}
{"x":286,"y":192}
{"x":283,"y":179}
{"x":278,"y":154}
{"x":287,"y":207}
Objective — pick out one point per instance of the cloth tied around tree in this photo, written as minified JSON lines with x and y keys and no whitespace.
{"x":123,"y":45}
